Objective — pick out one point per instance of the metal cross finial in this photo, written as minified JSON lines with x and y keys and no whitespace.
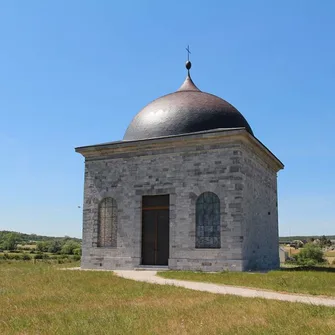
{"x":188,"y":52}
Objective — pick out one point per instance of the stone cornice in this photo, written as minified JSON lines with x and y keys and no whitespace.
{"x":188,"y":142}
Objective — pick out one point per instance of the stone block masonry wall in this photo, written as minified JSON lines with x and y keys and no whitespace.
{"x":232,"y":164}
{"x":184,"y":172}
{"x":260,"y":212}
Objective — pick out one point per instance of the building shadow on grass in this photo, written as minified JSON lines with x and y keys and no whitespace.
{"x":309,"y":268}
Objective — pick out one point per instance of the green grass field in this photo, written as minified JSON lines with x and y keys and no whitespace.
{"x":41,"y":299}
{"x":308,"y":282}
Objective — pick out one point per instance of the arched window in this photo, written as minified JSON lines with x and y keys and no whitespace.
{"x":107,"y":224}
{"x":208,"y":227}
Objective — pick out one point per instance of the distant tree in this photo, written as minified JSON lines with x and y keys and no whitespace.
{"x":325,"y":242}
{"x":69,"y":247}
{"x":10,"y":241}
{"x":54,"y":246}
{"x":309,"y":255}
{"x":42,"y":246}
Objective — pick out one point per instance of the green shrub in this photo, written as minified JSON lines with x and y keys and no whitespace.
{"x":38,"y":256}
{"x":309,"y":255}
{"x":16,"y":257}
{"x":69,"y":247}
{"x":41,"y":256}
{"x":77,"y":251}
{"x":63,"y":256}
{"x":26,"y":257}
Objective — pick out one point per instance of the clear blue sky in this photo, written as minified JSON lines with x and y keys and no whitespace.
{"x":74,"y":73}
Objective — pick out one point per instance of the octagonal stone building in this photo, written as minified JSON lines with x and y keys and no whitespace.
{"x":189,"y":187}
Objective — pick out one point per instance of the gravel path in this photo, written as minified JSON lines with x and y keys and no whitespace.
{"x":150,"y":277}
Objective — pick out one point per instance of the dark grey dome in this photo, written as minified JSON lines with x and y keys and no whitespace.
{"x":185,"y":111}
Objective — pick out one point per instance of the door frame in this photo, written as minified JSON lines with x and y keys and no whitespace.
{"x":154,"y":208}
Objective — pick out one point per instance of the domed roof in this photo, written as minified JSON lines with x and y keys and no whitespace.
{"x":185,"y":111}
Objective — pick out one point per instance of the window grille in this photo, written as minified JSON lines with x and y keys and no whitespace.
{"x":107,"y":225}
{"x":208,"y":227}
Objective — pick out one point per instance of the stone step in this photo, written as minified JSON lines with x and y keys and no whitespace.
{"x":151,"y":268}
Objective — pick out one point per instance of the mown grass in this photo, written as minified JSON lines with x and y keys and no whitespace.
{"x":39,"y":299}
{"x":311,"y":281}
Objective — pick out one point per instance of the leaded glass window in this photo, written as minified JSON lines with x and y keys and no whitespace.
{"x":107,"y":226}
{"x":208,"y":227}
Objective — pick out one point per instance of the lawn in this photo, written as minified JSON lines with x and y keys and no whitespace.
{"x":40,"y":299}
{"x":321,"y":282}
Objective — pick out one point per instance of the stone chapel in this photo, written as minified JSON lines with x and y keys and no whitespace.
{"x":189,"y":187}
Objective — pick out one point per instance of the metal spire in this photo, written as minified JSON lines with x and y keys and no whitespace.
{"x":188,"y":53}
{"x":188,"y":63}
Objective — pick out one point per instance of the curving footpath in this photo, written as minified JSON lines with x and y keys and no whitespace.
{"x":150,"y":277}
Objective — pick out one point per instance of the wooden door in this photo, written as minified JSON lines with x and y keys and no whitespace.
{"x":155,"y":230}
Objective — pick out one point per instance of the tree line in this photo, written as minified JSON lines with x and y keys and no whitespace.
{"x":11,"y":241}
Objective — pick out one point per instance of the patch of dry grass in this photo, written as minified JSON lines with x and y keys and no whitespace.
{"x":319,"y":282}
{"x":292,"y":251}
{"x":39,"y":299}
{"x":27,"y":246}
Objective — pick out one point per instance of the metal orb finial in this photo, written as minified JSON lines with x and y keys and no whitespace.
{"x":188,"y":63}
